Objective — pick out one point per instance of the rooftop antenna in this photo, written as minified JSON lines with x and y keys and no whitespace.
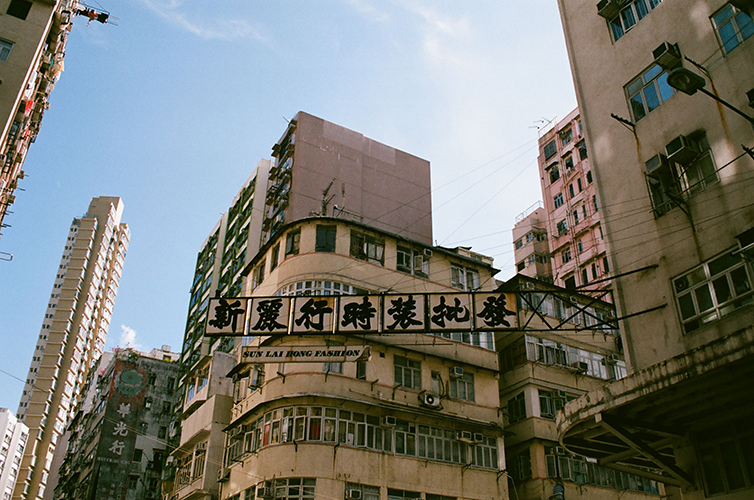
{"x":326,"y":199}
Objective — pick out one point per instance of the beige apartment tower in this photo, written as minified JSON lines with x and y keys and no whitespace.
{"x":72,"y":336}
{"x":662,"y":86}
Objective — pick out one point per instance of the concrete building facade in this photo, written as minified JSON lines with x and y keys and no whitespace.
{"x":673,"y":177}
{"x":72,"y":336}
{"x":15,"y":436}
{"x":33,"y":36}
{"x":117,"y":443}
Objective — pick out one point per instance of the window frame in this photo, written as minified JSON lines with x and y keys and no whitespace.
{"x":734,"y":19}
{"x":462,"y":388}
{"x":366,"y":247}
{"x":326,"y":239}
{"x":652,"y":84}
{"x":624,"y":25}
{"x":6,"y":47}
{"x":407,"y":372}
{"x":558,"y":200}
{"x":293,"y":242}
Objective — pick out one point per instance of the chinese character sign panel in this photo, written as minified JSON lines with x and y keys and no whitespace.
{"x":354,"y":314}
{"x":119,"y":431}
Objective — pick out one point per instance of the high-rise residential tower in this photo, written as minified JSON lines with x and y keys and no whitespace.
{"x":664,"y":89}
{"x":72,"y":336}
{"x":15,"y":436}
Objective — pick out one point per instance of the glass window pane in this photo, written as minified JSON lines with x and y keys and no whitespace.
{"x":722,"y":290}
{"x":703,"y":298}
{"x":635,"y":86}
{"x":722,"y":263}
{"x":666,"y":91}
{"x":650,"y":94}
{"x":637,"y":106}
{"x":627,"y":15}
{"x":652,"y":72}
{"x":745,"y":25}
{"x":617,"y":29}
{"x":740,"y":284}
{"x":728,"y":36}
{"x":723,"y":15}
{"x":641,"y":8}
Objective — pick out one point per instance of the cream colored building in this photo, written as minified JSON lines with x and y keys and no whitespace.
{"x":673,"y":178}
{"x":418,"y":418}
{"x":72,"y":336}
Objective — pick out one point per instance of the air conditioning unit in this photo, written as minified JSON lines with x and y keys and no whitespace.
{"x":608,"y":8}
{"x":264,"y":492}
{"x":201,"y":446}
{"x":478,"y":437}
{"x":559,"y":450}
{"x":527,"y":285}
{"x":456,"y":371}
{"x":353,"y":494}
{"x":682,"y":150}
{"x":429,"y":400}
{"x":744,"y":5}
{"x":656,"y":163}
{"x":388,"y":421}
{"x":465,"y":437}
{"x":428,"y":253}
{"x":667,"y":55}
{"x":223,"y":475}
{"x":612,"y":358}
{"x":580,"y":366}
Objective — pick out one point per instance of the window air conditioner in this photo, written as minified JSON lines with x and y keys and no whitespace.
{"x":353,"y":494}
{"x":264,"y":492}
{"x":428,"y":253}
{"x":612,"y":358}
{"x":456,"y":371}
{"x":667,"y":55}
{"x":656,"y":163}
{"x":527,"y":285}
{"x":580,"y":366}
{"x":388,"y":421}
{"x":608,"y":8}
{"x":682,"y":150}
{"x":478,"y":437}
{"x":429,"y":400}
{"x":559,"y":450}
{"x":465,"y":437}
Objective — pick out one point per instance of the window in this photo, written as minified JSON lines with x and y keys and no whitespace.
{"x":516,"y":408}
{"x":292,"y":240}
{"x":333,"y":367}
{"x":566,"y":255}
{"x":648,"y":91}
{"x":566,"y":137}
{"x":634,"y":12}
{"x":569,"y":282}
{"x":584,"y":277}
{"x":257,"y":276}
{"x":580,"y":246}
{"x":402,"y":495}
{"x":367,"y":492}
{"x":713,"y":290}
{"x":325,"y":239}
{"x":550,"y":402}
{"x":725,"y":456}
{"x":5,"y":48}
{"x":583,"y":211}
{"x":521,"y":266}
{"x":274,"y":255}
{"x":436,"y":383}
{"x":558,"y":200}
{"x":519,"y":244}
{"x":595,"y":271}
{"x":576,"y":218}
{"x":464,"y":278}
{"x":19,"y":8}
{"x":594,"y":202}
{"x":162,"y":432}
{"x":138,"y":453}
{"x":605,"y":265}
{"x":414,"y":262}
{"x":571,"y":191}
{"x":732,"y":27}
{"x":562,"y":227}
{"x":294,"y":488}
{"x":369,"y":248}
{"x":462,"y":387}
{"x":132,"y":482}
{"x":581,"y":186}
{"x":520,"y":465}
{"x":668,"y":181}
{"x":589,"y":177}
{"x":550,"y":149}
{"x":569,"y":163}
{"x":361,"y":370}
{"x":407,"y":373}
{"x":554,"y":173}
{"x":582,"y":150}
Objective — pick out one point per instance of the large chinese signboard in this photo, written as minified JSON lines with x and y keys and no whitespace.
{"x":356,"y":314}
{"x":119,"y":430}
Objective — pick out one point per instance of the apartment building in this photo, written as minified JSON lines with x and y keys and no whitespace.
{"x":33,"y":36}
{"x":664,"y":89}
{"x":531,"y":244}
{"x":72,"y":336}
{"x":15,"y":436}
{"x":118,"y":441}
{"x":393,"y":401}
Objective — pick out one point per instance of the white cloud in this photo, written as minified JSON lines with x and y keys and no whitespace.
{"x":368,"y":10}
{"x":208,"y":29}
{"x":128,"y":337}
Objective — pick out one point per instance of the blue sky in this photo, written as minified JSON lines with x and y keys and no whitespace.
{"x":172,"y":108}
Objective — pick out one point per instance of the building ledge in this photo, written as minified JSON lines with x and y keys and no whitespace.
{"x":632,"y":424}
